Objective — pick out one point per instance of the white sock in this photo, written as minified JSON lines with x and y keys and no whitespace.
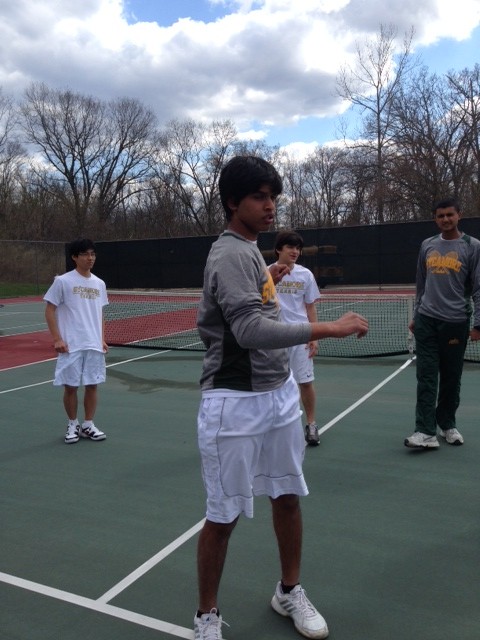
{"x":73,"y":423}
{"x":87,"y":423}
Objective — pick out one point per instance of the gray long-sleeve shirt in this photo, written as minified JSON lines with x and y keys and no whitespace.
{"x":448,"y":278}
{"x":239,"y":320}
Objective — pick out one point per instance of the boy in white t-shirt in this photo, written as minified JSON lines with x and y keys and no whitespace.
{"x":298,"y":292}
{"x":74,"y":315}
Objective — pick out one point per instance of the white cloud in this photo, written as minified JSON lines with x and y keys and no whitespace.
{"x":267,"y":63}
{"x":252,"y":134}
{"x":299,"y":150}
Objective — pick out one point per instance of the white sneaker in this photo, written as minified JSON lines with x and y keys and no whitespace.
{"x":452,"y":436}
{"x":72,"y":434}
{"x":208,"y":626}
{"x":421,"y":440}
{"x":92,"y":432}
{"x":297,"y":606}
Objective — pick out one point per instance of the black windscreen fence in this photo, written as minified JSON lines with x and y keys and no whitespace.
{"x":362,"y":255}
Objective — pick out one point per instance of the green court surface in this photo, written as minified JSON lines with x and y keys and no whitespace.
{"x":98,"y":539}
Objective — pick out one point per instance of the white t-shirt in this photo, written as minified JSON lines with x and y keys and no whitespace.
{"x":79,"y":301}
{"x":296,"y":290}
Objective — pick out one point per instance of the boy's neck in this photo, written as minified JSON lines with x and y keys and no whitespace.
{"x":85,"y":273}
{"x":454,"y":234}
{"x":250,"y":236}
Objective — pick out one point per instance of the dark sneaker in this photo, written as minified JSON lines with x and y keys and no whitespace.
{"x":92,"y":432}
{"x":420,"y":440}
{"x":72,"y":434}
{"x":452,"y":436}
{"x":208,"y":626}
{"x":311,"y":434}
{"x":297,"y":606}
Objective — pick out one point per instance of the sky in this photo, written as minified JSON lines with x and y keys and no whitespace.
{"x":269,"y":66}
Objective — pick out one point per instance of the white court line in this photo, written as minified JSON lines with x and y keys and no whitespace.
{"x":353,"y":406}
{"x":146,"y":566}
{"x":27,"y":386}
{"x":100,"y":607}
{"x":113,"y":364}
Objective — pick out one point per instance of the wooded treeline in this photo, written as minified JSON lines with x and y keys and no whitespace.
{"x":72,"y":164}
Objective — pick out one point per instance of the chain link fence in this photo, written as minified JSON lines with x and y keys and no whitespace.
{"x":28,"y":267}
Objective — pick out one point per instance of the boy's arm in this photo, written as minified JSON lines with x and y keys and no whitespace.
{"x":104,"y":344}
{"x":419,"y":284}
{"x":51,"y":319}
{"x":311,"y":310}
{"x":349,"y":324}
{"x":241,"y":308}
{"x":475,"y":279}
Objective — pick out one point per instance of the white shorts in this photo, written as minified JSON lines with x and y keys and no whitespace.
{"x":250,"y":445}
{"x":80,"y":367}
{"x":300,"y":364}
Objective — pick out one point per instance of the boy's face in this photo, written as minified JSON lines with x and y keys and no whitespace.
{"x":254,"y":213}
{"x":84,"y":261}
{"x":447,"y":220}
{"x":288,"y":254}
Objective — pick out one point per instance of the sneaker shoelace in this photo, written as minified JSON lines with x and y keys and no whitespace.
{"x":212,"y":627}
{"x":303,"y":603}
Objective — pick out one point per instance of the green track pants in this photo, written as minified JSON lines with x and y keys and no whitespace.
{"x":440,"y":349}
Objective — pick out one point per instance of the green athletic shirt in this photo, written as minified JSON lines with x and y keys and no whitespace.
{"x":239,"y":320}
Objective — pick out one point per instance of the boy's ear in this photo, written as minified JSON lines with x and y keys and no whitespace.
{"x":232,"y":205}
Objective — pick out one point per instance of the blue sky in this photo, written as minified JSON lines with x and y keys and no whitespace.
{"x":166,"y":12}
{"x":267,"y":65}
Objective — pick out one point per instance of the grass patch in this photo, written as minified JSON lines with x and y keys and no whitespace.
{"x":18,"y":289}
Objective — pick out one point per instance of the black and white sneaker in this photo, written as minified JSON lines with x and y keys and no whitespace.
{"x":311,"y":434}
{"x":72,"y":434}
{"x":92,"y":432}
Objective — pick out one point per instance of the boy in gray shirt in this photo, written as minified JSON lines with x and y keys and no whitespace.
{"x":249,"y":421}
{"x":448,"y":278}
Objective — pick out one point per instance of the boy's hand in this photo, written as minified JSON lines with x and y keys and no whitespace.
{"x":278,"y":271}
{"x":312,"y":347}
{"x":474,"y":334}
{"x":60,"y":346}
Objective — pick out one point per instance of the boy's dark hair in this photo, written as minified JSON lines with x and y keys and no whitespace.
{"x":79,"y":246}
{"x":244,"y":175}
{"x":446,"y":203}
{"x":289,"y":237}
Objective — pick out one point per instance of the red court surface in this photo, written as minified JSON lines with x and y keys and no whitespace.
{"x":25,"y":348}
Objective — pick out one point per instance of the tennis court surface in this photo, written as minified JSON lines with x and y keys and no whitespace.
{"x":99,"y":538}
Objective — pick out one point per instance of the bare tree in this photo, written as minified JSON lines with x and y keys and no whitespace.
{"x":432,"y":143}
{"x":190,"y":156}
{"x":97,"y":153}
{"x":370,"y":85}
{"x":327,"y":183}
{"x":11,"y":154}
{"x":465,"y":99}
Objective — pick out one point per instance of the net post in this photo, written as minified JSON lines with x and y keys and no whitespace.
{"x":410,"y":338}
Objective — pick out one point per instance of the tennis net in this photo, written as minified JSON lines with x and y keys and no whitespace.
{"x":167,"y":320}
